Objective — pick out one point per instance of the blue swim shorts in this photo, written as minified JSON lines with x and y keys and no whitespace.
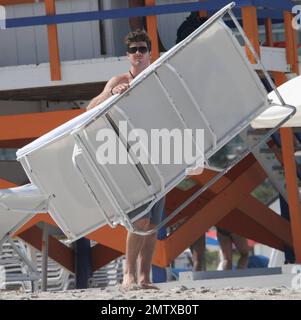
{"x":155,"y":213}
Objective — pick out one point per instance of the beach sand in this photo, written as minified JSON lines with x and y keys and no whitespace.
{"x":178,"y":292}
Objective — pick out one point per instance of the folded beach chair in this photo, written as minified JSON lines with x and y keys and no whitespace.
{"x":16,"y":269}
{"x":290,"y":91}
{"x":204,"y":82}
{"x":17,"y":206}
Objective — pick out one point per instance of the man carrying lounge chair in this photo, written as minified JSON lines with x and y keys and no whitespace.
{"x":139,"y":249}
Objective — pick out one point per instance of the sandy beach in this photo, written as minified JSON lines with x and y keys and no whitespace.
{"x":178,"y":292}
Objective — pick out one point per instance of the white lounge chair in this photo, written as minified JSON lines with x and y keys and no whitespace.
{"x":205,"y":82}
{"x":18,"y":205}
{"x":290,"y":91}
{"x":16,"y":270}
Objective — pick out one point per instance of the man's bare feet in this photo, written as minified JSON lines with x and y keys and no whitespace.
{"x":129,"y":283}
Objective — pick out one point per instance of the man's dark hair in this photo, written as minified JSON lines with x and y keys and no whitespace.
{"x":138,"y":36}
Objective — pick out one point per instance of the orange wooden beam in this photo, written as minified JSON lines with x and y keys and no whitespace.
{"x":56,"y":251}
{"x":267,"y":218}
{"x":4,"y":184}
{"x":269,"y":32}
{"x":266,"y":221}
{"x":269,"y":222}
{"x":188,"y":212}
{"x":39,"y":217}
{"x":279,"y":77}
{"x":291,"y":42}
{"x":53,"y":44}
{"x":250,"y":26}
{"x":287,"y":143}
{"x":203,"y":178}
{"x":32,"y":125}
{"x":213,"y":212}
{"x":239,"y":223}
{"x":112,"y":238}
{"x":152,"y":30}
{"x":102,"y":255}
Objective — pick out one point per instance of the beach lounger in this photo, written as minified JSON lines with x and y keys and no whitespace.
{"x":290,"y":91}
{"x":204,"y":82}
{"x":18,"y":205}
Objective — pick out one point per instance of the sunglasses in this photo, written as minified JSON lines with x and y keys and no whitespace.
{"x":141,"y":49}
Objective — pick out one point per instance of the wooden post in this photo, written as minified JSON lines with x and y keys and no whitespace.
{"x":291,"y":42}
{"x":44,"y":256}
{"x":152,"y":29}
{"x":287,"y":143}
{"x":269,"y":32}
{"x":53,"y":46}
{"x":250,"y":26}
